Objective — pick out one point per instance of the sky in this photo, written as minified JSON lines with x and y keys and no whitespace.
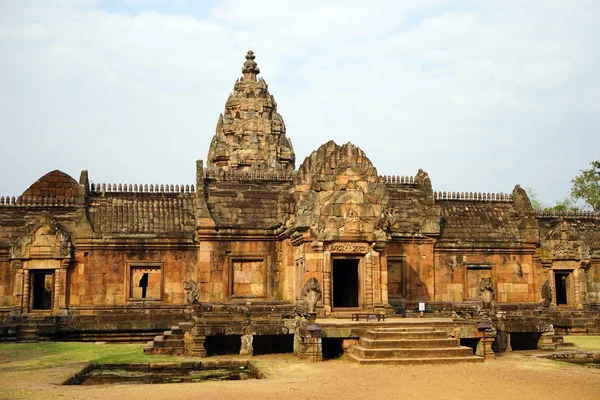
{"x":482,"y":95}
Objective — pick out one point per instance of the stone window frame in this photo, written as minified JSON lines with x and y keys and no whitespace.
{"x":246,"y":257}
{"x":478,"y":266}
{"x":403,"y":272}
{"x":143,"y":264}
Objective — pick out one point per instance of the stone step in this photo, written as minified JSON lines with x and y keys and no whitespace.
{"x":25,"y":331}
{"x":406,"y":329}
{"x":166,"y":351}
{"x":409,"y":334}
{"x":177,"y":330}
{"x":408,"y":343}
{"x":416,"y":361}
{"x":440,"y":352}
{"x":171,"y":335}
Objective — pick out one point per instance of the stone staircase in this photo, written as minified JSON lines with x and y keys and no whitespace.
{"x":34,"y":329}
{"x":27,"y":332}
{"x":410,"y":345}
{"x":171,"y":342}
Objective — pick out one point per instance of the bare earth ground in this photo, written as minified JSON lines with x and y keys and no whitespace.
{"x":513,"y":376}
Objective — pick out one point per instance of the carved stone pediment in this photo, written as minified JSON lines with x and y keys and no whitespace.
{"x":340,"y":196}
{"x":43,"y":238}
{"x":563,"y":242}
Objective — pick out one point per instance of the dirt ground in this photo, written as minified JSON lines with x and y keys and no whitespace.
{"x":515,"y":376}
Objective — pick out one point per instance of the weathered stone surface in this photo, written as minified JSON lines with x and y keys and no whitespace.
{"x":252,"y":231}
{"x":251,"y":133}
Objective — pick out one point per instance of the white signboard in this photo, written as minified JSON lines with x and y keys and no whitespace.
{"x":421,"y":306}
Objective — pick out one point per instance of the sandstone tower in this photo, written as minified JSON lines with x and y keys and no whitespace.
{"x":250,"y":135}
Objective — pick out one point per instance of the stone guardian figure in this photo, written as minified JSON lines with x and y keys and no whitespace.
{"x":546,"y":293}
{"x":312,"y":294}
{"x":246,"y":348}
{"x":485,"y":291}
{"x":192,"y":292}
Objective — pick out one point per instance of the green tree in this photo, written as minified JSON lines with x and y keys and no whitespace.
{"x":586,"y":186}
{"x":567,"y":204}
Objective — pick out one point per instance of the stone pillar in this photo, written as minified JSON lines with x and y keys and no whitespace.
{"x":26,"y":287}
{"x":484,"y":347}
{"x":327,"y":282}
{"x":314,"y":348}
{"x":552,"y":281}
{"x":56,"y":291}
{"x":508,"y":345}
{"x":61,"y":292}
{"x":384,"y":278}
{"x":578,"y":298}
{"x":198,"y":339}
{"x":17,"y":269}
{"x":368,"y":279}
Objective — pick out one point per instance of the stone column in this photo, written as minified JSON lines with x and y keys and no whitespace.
{"x":327,"y":282}
{"x":17,"y":270}
{"x":198,"y":339}
{"x":56,"y":291}
{"x":368,"y":280}
{"x":552,"y":281}
{"x":384,"y":278}
{"x":484,"y":347}
{"x":578,"y":300}
{"x":62,"y":287}
{"x":314,"y":348}
{"x":26,"y":287}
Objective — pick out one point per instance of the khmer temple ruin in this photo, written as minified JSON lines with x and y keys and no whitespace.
{"x":261,"y":253}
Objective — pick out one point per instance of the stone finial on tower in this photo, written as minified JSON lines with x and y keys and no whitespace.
{"x":250,"y":69}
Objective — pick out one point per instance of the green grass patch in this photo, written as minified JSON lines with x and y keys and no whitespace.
{"x":32,"y":356}
{"x":584,"y":342}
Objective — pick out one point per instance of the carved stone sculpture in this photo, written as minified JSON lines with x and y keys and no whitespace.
{"x":246,"y":347}
{"x":192,"y":291}
{"x":485,"y":291}
{"x":546,"y":294}
{"x":312,"y":294}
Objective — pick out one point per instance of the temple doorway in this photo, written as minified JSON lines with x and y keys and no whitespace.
{"x":42,"y":285}
{"x":562,"y":280}
{"x":345,"y":283}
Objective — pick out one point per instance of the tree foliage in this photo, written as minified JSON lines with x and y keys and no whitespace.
{"x":567,"y":204}
{"x":586,"y":186}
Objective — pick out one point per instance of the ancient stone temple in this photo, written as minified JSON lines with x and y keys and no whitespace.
{"x":256,"y":250}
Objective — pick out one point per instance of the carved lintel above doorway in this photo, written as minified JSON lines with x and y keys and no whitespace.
{"x":348,"y":248}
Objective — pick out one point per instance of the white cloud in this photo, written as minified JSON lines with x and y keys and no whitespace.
{"x":480,"y":95}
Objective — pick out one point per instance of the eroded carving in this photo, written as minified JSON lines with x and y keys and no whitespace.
{"x":546,"y":293}
{"x":247,"y":339}
{"x":347,"y":247}
{"x":485,"y":290}
{"x":312,"y":294}
{"x":192,"y":291}
{"x":42,"y":238}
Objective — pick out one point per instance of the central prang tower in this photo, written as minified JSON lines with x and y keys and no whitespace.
{"x":250,"y":135}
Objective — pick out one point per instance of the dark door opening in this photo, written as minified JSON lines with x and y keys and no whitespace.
{"x":42,"y":284}
{"x":560,"y":280}
{"x":345,"y":283}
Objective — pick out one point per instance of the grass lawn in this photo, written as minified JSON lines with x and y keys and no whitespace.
{"x":33,"y":356}
{"x":584,"y":342}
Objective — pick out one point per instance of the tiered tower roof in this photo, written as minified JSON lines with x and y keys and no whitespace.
{"x":250,"y":134}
